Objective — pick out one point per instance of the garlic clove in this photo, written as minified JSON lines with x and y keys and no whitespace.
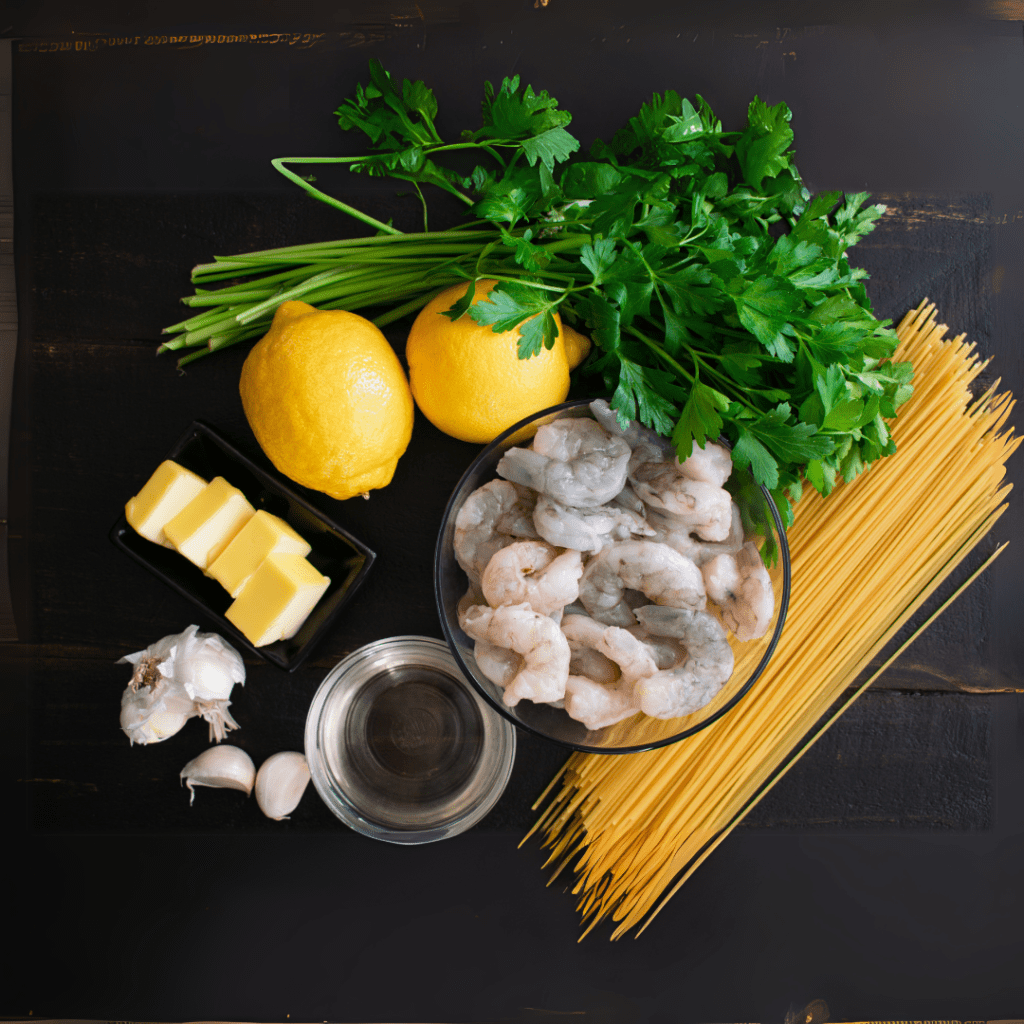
{"x":155,"y":710}
{"x":207,"y":665}
{"x":223,"y":767}
{"x":153,"y":728}
{"x":280,"y":783}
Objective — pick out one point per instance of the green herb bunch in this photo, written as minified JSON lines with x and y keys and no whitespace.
{"x":716,"y":290}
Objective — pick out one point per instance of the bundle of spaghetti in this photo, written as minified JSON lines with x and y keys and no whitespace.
{"x":864,"y":561}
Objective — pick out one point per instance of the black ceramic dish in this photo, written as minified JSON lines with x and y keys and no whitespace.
{"x":336,"y":553}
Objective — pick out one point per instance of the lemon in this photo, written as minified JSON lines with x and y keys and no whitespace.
{"x":469,"y":381}
{"x":577,"y":346}
{"x":327,"y":399}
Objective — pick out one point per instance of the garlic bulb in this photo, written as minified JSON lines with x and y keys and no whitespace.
{"x":223,"y":767}
{"x":177,"y":678}
{"x":280,"y":783}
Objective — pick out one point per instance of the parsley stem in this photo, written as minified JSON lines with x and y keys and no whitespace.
{"x":278,"y":164}
{"x":534,"y":284}
{"x":660,"y":352}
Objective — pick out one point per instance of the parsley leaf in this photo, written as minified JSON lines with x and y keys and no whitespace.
{"x":764,"y":308}
{"x":701,"y":418}
{"x":761,"y":149}
{"x":636,"y":400}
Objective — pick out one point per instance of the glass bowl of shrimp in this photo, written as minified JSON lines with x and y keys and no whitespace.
{"x":603,"y":594}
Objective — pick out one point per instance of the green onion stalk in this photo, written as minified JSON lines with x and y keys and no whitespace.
{"x":402,"y":271}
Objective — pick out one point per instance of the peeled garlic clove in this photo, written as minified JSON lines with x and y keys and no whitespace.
{"x":281,"y":781}
{"x":223,"y":767}
{"x":206,"y":665}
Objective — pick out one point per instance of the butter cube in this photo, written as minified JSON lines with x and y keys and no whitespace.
{"x":263,"y":535}
{"x":209,"y":522}
{"x":164,"y":495}
{"x":276,"y":600}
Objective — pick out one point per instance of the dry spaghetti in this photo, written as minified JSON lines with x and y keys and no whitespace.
{"x":636,"y":825}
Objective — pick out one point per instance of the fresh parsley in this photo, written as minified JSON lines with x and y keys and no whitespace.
{"x":716,"y":289}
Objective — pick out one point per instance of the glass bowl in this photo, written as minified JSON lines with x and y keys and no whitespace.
{"x":400,"y":746}
{"x":639,"y":732}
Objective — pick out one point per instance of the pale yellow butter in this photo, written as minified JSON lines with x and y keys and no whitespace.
{"x":263,"y":535}
{"x":277,"y":598}
{"x":209,"y":522}
{"x":164,"y":495}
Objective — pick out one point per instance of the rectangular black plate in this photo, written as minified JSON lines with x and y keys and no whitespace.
{"x":336,"y":553}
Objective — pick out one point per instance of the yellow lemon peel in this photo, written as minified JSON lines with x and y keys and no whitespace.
{"x":469,"y":381}
{"x":328,"y":400}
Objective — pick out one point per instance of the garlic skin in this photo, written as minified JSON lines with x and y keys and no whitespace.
{"x":155,"y":711}
{"x":206,"y":665}
{"x":280,"y":783}
{"x":217,"y":715}
{"x":177,"y":678}
{"x":222,"y":767}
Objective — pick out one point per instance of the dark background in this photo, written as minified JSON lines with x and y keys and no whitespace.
{"x":883,"y":875}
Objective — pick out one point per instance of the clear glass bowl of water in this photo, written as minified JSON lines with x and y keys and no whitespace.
{"x":401,"y":747}
{"x":639,"y":732}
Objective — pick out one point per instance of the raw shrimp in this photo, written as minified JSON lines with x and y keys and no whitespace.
{"x":596,"y":705}
{"x":634,"y":435}
{"x":668,"y":530}
{"x":537,"y":638}
{"x":499,"y":664}
{"x":585,"y":529}
{"x":473,"y":595}
{"x":585,"y":661}
{"x":619,"y":645}
{"x":477,"y":536}
{"x":693,"y":681}
{"x":518,"y":520}
{"x":598,"y":702}
{"x":740,"y":584}
{"x":533,"y":572}
{"x":574,"y":460}
{"x":712,"y":464}
{"x":660,"y":572}
{"x":665,"y":651}
{"x":704,"y":508}
{"x":627,"y":499}
{"x":732,"y":543}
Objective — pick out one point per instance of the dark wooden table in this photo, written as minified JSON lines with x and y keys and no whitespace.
{"x":883,"y":875}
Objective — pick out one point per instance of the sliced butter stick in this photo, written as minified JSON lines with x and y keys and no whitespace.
{"x":209,"y":522}
{"x":263,"y":535}
{"x":277,"y":598}
{"x":164,"y":495}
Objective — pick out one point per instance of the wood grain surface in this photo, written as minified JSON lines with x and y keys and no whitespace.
{"x":882,"y":875}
